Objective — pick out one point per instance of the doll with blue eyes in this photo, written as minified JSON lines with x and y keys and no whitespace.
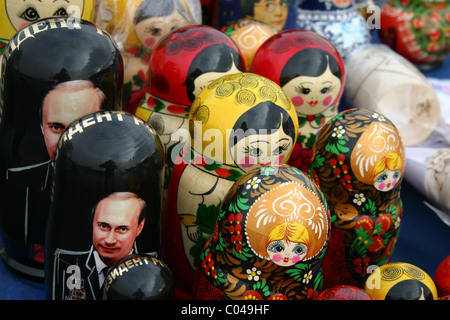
{"x":288,"y":243}
{"x":269,"y":240}
{"x":359,"y":162}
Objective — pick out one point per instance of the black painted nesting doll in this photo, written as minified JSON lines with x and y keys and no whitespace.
{"x":270,"y":238}
{"x":53,"y":71}
{"x":106,"y":201}
{"x":359,"y":162}
{"x":139,"y":277}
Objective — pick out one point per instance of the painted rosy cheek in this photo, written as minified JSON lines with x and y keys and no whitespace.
{"x":327,"y":101}
{"x":297,"y":101}
{"x":381,"y":186}
{"x":280,"y":159}
{"x":150,"y":42}
{"x":277,"y":257}
{"x":295,"y":259}
{"x":23,"y":24}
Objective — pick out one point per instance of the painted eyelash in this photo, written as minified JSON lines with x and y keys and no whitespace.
{"x":274,"y":244}
{"x":285,"y":146}
{"x":330,"y":88}
{"x":28,"y":6}
{"x":300,"y":89}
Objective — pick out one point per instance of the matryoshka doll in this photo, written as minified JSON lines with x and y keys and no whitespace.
{"x":15,"y":15}
{"x":184,"y":62}
{"x":311,"y":71}
{"x":269,"y":239}
{"x":106,"y":202}
{"x":359,"y":163}
{"x":400,"y":281}
{"x":137,"y":26}
{"x":339,"y":21}
{"x":236,"y":123}
{"x":442,"y":278}
{"x":278,"y":14}
{"x":54,"y":71}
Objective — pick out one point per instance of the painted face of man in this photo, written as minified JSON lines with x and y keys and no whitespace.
{"x":60,"y":108}
{"x":115,"y":228}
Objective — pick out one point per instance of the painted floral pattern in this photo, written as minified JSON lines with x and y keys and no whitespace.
{"x":420,"y":29}
{"x":230,"y":268}
{"x":366,"y":220}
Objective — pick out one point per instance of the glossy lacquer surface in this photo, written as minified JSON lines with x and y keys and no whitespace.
{"x":71,"y":57}
{"x":107,"y":159}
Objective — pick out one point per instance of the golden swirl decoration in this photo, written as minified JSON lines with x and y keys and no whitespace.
{"x":284,"y":99}
{"x":268,"y":93}
{"x":201,"y":114}
{"x":391,"y":272}
{"x":245,"y":97}
{"x":249,"y":82}
{"x":414,"y":272}
{"x":225,"y":90}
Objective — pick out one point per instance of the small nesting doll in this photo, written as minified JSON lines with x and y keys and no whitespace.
{"x":184,"y":62}
{"x":400,"y":281}
{"x":339,"y":21}
{"x":137,"y":26}
{"x":139,"y":277}
{"x":249,"y":35}
{"x":279,"y":14}
{"x":269,"y":239}
{"x":237,"y":123}
{"x":14,"y":15}
{"x":106,"y":202}
{"x":442,"y":278}
{"x":344,"y":292}
{"x":54,"y":71}
{"x":311,"y":72}
{"x":359,"y":162}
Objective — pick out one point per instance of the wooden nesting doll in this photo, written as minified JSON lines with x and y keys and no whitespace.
{"x":15,"y":15}
{"x":137,"y":26}
{"x":442,"y":278}
{"x":106,"y":201}
{"x":344,"y":292}
{"x":418,"y":30}
{"x":269,"y":240}
{"x":185,"y":61}
{"x":339,"y":21}
{"x":249,"y":35}
{"x":53,"y":71}
{"x":311,"y":71}
{"x":139,"y":277}
{"x":278,"y":14}
{"x":400,"y":281}
{"x":236,"y":123}
{"x":359,"y":162}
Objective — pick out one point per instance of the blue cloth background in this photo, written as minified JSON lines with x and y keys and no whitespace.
{"x":424,"y":239}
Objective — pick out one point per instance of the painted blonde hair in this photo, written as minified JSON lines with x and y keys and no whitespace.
{"x":289,"y":231}
{"x":392,"y":161}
